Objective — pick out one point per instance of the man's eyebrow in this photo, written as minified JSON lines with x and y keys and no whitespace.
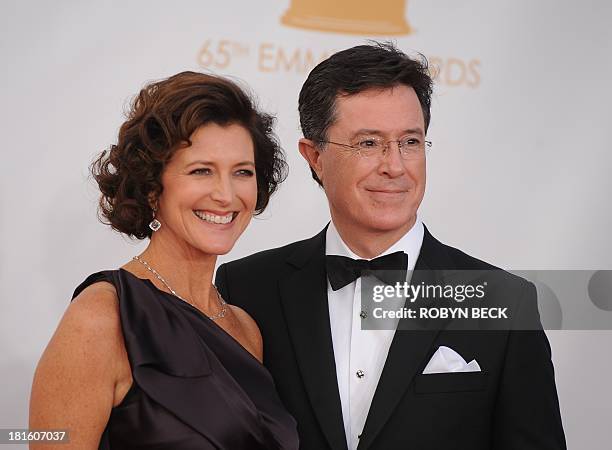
{"x":367,"y":131}
{"x":418,"y":131}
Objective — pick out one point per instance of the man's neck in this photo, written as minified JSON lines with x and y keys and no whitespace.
{"x":369,"y":243}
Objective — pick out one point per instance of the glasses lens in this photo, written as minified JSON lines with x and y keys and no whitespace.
{"x":411,"y":148}
{"x":368,"y":146}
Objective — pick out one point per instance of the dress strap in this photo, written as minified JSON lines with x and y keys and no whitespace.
{"x":91,"y":279}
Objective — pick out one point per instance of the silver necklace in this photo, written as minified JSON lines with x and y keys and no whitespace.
{"x":160,"y":278}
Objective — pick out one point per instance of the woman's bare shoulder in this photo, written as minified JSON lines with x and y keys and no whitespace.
{"x":95,"y":310}
{"x":81,"y":366}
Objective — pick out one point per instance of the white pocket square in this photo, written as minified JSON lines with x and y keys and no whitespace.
{"x":448,"y":360}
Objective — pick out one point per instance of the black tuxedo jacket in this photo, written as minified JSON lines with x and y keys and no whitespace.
{"x":511,"y":404}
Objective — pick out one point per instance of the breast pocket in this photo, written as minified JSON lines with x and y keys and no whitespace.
{"x":450,"y":382}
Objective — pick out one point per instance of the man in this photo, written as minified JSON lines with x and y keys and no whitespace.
{"x":364,"y":114}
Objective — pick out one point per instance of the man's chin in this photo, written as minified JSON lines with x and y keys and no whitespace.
{"x":391,"y":224}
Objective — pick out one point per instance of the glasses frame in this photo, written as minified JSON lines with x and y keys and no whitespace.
{"x":427,"y":145}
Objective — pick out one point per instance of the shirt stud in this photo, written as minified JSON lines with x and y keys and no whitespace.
{"x":360,"y":374}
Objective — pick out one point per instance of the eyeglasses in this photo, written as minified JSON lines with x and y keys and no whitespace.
{"x":409,"y":147}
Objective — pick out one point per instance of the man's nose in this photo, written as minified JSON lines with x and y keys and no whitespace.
{"x":391,"y":162}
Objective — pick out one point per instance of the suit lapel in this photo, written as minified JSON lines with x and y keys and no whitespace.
{"x":408,"y":350}
{"x":304,"y":300}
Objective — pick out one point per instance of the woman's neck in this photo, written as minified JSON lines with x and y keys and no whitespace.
{"x":186,"y":270}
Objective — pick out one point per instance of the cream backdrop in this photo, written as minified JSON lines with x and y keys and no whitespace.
{"x":518,"y":174}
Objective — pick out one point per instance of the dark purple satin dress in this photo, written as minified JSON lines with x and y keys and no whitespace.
{"x":195,"y":387}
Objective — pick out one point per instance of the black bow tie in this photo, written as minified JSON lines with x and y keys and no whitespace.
{"x":342,"y":270}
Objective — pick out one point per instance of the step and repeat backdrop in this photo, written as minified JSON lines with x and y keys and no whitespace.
{"x":518,"y":175}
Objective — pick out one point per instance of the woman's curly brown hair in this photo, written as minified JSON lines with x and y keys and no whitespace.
{"x":161,"y":119}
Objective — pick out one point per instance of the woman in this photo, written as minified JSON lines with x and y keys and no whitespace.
{"x":150,"y":355}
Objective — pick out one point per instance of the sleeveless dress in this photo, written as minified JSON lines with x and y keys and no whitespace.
{"x":195,"y":386}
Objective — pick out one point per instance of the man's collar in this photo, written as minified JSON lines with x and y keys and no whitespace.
{"x":410,"y":243}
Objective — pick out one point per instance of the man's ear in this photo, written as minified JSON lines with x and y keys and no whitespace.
{"x":312,"y":155}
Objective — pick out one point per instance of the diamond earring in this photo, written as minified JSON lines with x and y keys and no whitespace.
{"x":155,"y":225}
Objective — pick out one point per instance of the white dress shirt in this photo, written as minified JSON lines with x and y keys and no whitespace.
{"x":360,"y":355}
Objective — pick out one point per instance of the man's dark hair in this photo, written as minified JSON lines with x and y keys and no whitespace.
{"x":376,"y":65}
